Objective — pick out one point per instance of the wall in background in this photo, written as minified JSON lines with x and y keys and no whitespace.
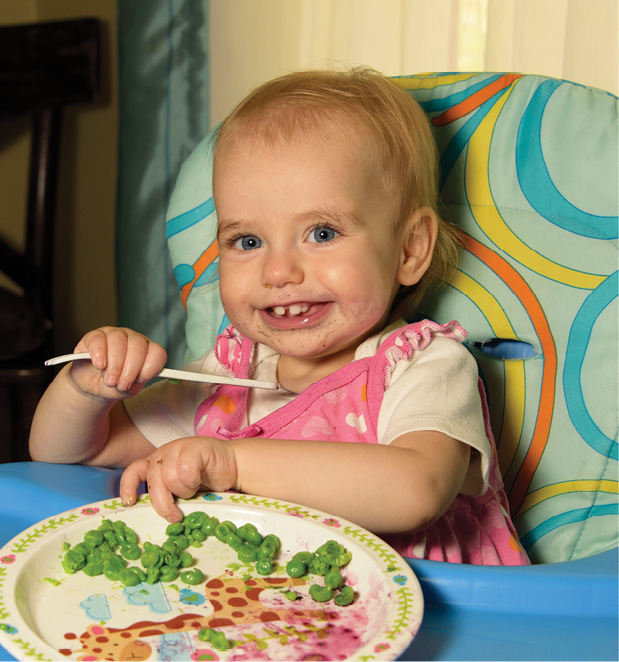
{"x":85,"y":250}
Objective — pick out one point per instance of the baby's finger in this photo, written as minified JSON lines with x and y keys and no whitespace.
{"x":154,"y":362}
{"x":116,"y":352}
{"x":94,"y":342}
{"x":136,"y":353}
{"x":161,"y":497}
{"x":130,"y":480}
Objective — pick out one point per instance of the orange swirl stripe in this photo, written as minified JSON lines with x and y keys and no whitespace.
{"x":200,"y":265}
{"x":475,"y":100}
{"x":547,"y":396}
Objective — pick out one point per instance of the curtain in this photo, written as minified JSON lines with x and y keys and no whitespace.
{"x":163,"y":114}
{"x":252,"y":41}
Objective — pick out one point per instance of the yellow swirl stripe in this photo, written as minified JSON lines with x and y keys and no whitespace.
{"x":431,"y":82}
{"x":565,"y":487}
{"x":513,"y":411}
{"x":489,"y":220}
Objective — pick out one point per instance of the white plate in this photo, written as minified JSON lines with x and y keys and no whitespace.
{"x":48,"y":614}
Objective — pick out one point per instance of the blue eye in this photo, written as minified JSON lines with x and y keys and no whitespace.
{"x":247,"y":243}
{"x":322,"y":234}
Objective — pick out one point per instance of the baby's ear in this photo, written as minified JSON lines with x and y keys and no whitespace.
{"x":418,"y":240}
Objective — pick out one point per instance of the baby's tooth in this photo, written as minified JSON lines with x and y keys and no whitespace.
{"x":295,"y":309}
{"x":304,"y":308}
{"x":279,"y":310}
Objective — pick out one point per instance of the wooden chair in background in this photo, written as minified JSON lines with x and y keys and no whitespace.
{"x":43,"y":68}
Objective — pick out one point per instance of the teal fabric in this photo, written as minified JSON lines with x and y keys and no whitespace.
{"x":163,"y":89}
{"x":529,"y":173}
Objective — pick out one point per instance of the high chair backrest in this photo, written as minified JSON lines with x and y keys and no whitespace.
{"x":529,"y":173}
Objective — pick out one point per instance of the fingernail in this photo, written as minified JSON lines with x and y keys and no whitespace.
{"x":123,"y":386}
{"x":127,"y":499}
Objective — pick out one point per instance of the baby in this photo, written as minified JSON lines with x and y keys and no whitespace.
{"x":325,"y":185}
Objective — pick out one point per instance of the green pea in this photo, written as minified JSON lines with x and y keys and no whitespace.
{"x":167,"y":573}
{"x":273,"y":540}
{"x":181,"y":542}
{"x":195,"y":519}
{"x":93,"y":569}
{"x":264,"y":566}
{"x":250,"y":534}
{"x":111,"y":539}
{"x":170,"y":547}
{"x":130,"y":535}
{"x":172,"y":561}
{"x":268,"y":547}
{"x":193,"y":576}
{"x":234,"y":541}
{"x":152,"y":575}
{"x":93,"y":538}
{"x":342,"y":559}
{"x":346,"y":596}
{"x":333,"y":579}
{"x":223,"y":529}
{"x":174,"y":529}
{"x":139,"y":572}
{"x":320,"y":593}
{"x":73,"y":561}
{"x":291,"y":595}
{"x":209,"y":525}
{"x":319,"y":567}
{"x":304,"y":557}
{"x":112,"y":572}
{"x":219,"y":641}
{"x":151,"y":558}
{"x":131,"y":551}
{"x":129,"y":577}
{"x":205,"y":634}
{"x":197,"y":535}
{"x":296,"y":568}
{"x":185,"y":559}
{"x":115,"y":561}
{"x":247,"y":553}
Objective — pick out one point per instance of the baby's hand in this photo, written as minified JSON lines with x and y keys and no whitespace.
{"x":180,"y":468}
{"x":121,"y":362}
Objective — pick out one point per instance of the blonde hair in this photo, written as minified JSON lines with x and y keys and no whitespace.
{"x":398,"y":137}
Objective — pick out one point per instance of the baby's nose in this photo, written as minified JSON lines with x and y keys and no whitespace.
{"x":281,"y":268}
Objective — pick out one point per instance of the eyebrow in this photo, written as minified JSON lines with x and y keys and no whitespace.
{"x":331,"y":214}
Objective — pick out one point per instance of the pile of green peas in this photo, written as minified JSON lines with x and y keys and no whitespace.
{"x":108,"y":549}
{"x":248,"y":543}
{"x":325,"y":562}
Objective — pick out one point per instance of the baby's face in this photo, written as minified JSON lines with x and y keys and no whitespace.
{"x":308,"y":250}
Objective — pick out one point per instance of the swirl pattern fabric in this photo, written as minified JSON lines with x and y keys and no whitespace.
{"x":529,"y":172}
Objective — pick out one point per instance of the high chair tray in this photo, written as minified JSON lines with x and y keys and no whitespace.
{"x":564,"y":611}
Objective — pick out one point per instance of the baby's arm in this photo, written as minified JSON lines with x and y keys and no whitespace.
{"x":401,"y":487}
{"x":81,"y":418}
{"x":397,"y":488}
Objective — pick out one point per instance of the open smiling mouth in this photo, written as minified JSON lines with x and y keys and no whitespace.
{"x":296,"y":315}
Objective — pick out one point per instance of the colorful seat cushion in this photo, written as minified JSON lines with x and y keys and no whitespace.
{"x":529,"y":172}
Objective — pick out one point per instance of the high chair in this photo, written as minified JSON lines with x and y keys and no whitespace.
{"x":529,"y":173}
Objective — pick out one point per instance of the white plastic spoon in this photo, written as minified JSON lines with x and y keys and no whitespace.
{"x":181,"y":375}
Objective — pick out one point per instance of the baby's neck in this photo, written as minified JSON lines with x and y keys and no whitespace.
{"x":296,"y":374}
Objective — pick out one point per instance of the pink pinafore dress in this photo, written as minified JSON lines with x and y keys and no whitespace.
{"x":344,"y":407}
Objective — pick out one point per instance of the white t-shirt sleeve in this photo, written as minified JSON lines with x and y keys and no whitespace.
{"x":437,"y":389}
{"x":165,"y":411}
